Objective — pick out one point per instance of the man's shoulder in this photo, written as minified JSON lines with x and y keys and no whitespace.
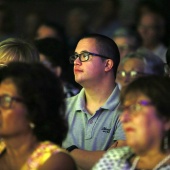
{"x":71,"y":100}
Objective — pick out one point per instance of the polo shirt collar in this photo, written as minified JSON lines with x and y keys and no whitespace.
{"x":110,"y":104}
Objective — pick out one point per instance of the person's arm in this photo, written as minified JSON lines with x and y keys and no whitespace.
{"x":59,"y":161}
{"x":118,"y":143}
{"x":86,"y":159}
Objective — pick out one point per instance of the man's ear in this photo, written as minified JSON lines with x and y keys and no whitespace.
{"x":109,"y":64}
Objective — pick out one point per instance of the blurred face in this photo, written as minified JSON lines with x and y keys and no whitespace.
{"x":129,"y":70}
{"x":13,"y":120}
{"x":124,"y":44}
{"x":150,"y":28}
{"x":45,"y":31}
{"x":88,"y":71}
{"x":143,"y":128}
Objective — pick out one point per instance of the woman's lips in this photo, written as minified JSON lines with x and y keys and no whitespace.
{"x":129,"y":129}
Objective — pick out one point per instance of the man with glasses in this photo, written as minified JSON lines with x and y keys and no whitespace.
{"x":92,"y":114}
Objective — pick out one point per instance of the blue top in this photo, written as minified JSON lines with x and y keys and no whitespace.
{"x":97,"y":131}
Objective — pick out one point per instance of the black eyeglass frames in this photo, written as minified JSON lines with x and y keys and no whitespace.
{"x":84,"y":56}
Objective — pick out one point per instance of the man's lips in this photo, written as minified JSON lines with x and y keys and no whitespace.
{"x":78,"y":70}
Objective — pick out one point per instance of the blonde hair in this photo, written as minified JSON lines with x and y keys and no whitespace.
{"x":14,"y":49}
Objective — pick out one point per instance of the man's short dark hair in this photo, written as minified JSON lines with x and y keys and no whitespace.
{"x":107,"y":47}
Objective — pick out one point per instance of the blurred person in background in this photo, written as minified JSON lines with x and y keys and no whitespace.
{"x":50,"y":29}
{"x":126,"y":41}
{"x":152,"y":29}
{"x":52,"y":55}
{"x":105,"y":20}
{"x":14,"y":49}
{"x":76,"y":26}
{"x":136,"y":64}
{"x":32,"y":20}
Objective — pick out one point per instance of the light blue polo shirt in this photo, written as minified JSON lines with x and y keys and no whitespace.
{"x":93,"y":132}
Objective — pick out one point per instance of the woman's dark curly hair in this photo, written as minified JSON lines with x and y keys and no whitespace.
{"x":43,"y":96}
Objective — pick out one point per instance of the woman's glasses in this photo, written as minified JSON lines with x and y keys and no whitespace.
{"x":6,"y":101}
{"x":136,"y":107}
{"x":130,"y":74}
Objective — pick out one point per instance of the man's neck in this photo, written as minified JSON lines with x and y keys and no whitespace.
{"x":97,"y":96}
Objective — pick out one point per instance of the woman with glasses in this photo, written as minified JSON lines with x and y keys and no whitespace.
{"x":137,"y":64}
{"x":32,"y":123}
{"x":146,"y":122}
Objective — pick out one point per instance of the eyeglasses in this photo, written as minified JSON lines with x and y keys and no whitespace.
{"x":6,"y":101}
{"x":84,"y":56}
{"x":133,"y":108}
{"x":132,"y":74}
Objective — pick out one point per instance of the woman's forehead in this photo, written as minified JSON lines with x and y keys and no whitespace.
{"x":135,"y":96}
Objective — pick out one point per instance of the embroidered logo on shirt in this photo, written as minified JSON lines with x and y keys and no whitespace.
{"x":104,"y":129}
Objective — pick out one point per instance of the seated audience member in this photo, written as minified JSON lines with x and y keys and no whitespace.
{"x":76,"y":26}
{"x":152,"y":28}
{"x":32,"y":125}
{"x":126,"y":41}
{"x":52,"y":55}
{"x":136,"y":64}
{"x":145,"y":105}
{"x":92,"y":114}
{"x":50,"y":29}
{"x":14,"y":49}
{"x":106,"y":18}
{"x":167,"y":66}
{"x":32,"y":20}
